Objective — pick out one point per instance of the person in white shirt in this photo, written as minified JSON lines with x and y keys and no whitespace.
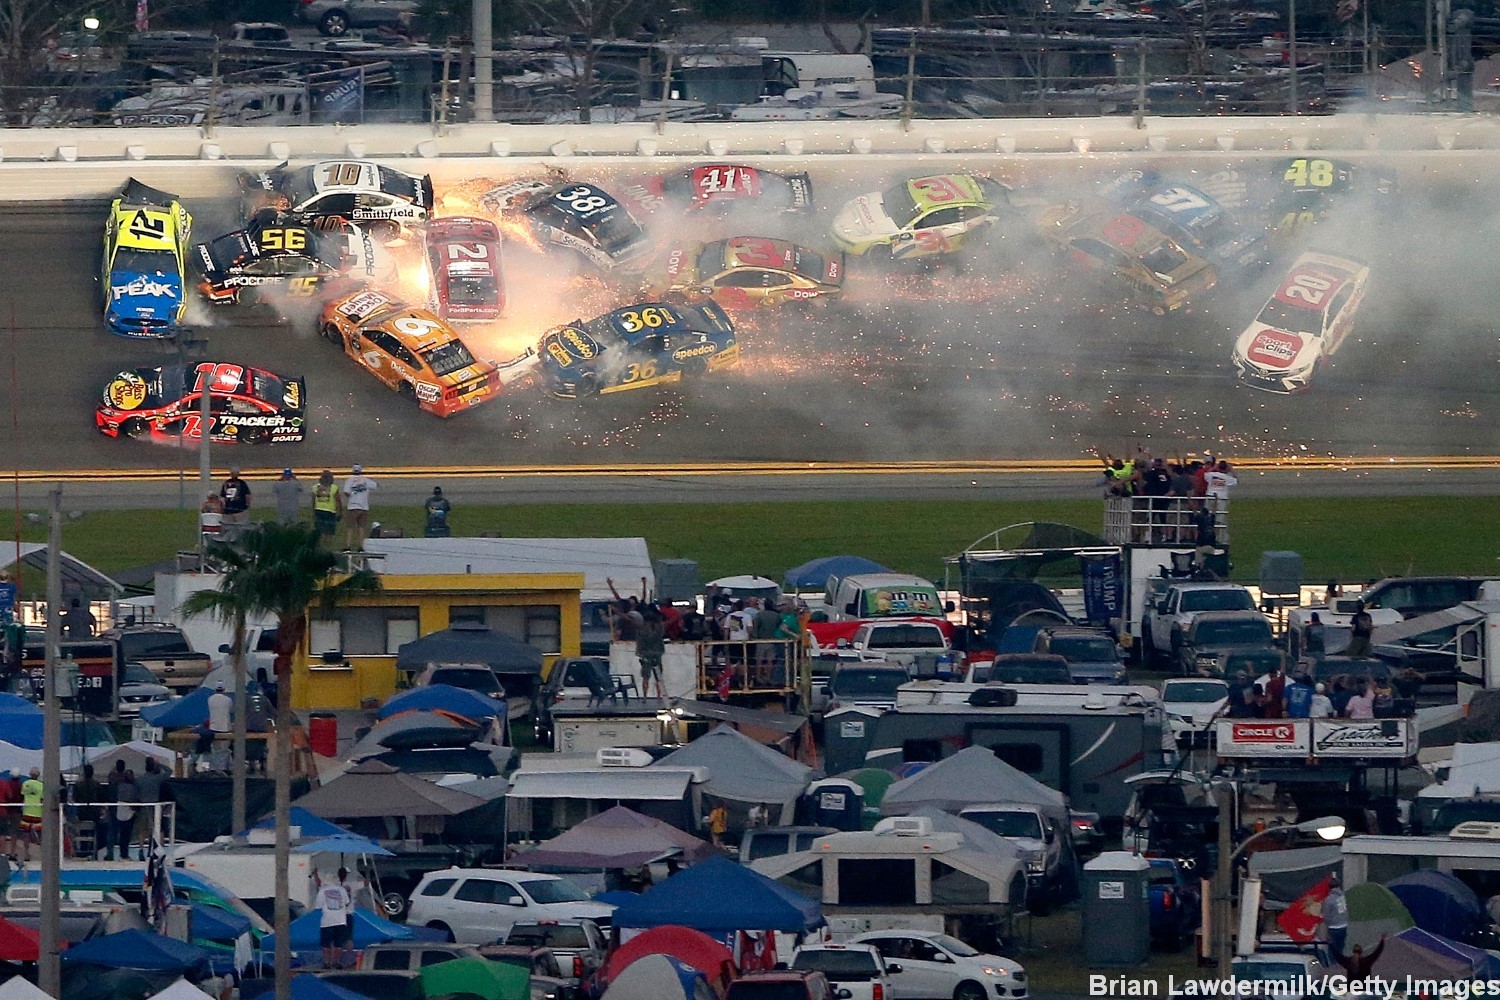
{"x":1217,"y":482}
{"x":220,"y":710}
{"x":1322,"y":705}
{"x":357,"y":489}
{"x":333,"y":903}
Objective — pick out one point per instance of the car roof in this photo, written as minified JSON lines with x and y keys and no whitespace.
{"x":900,"y":931}
{"x":508,"y":873}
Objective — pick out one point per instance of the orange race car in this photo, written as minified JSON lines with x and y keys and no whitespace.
{"x":411,"y":351}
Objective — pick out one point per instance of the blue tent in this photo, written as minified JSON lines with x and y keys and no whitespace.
{"x":459,"y":701}
{"x":719,"y":896}
{"x":213,"y":923}
{"x":368,"y":929}
{"x":140,"y":950}
{"x":311,"y":826}
{"x":814,"y":574}
{"x":1439,"y":903}
{"x":190,"y":710}
{"x":309,"y":987}
{"x":15,"y":704}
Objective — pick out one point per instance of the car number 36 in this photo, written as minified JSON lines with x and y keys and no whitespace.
{"x":652,"y":316}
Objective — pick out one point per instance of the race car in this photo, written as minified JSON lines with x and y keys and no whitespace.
{"x":1307,"y":189}
{"x":581,"y":217}
{"x":464,"y":255}
{"x":272,"y":251}
{"x":246,"y":404}
{"x":1123,"y":250}
{"x":919,"y":217}
{"x":650,"y":343}
{"x":327,"y":194}
{"x":748,"y":272}
{"x":1198,"y":222}
{"x":722,"y":187}
{"x":145,"y":249}
{"x":411,"y":351}
{"x":1306,"y":319}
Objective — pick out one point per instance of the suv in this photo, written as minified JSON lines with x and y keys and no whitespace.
{"x":937,"y":966}
{"x":480,"y":905}
{"x":579,"y":945}
{"x":784,"y":984}
{"x":335,"y":17}
{"x":1217,"y":641}
{"x":1093,"y":656}
{"x":1166,"y":621}
{"x":481,"y":680}
{"x":165,"y":651}
{"x":1189,"y":704}
{"x":855,"y":968}
{"x":869,"y":685}
{"x":415,"y":955}
{"x":1023,"y":668}
{"x":1039,"y":842}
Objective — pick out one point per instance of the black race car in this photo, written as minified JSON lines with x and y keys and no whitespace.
{"x":246,"y":404}
{"x":270,"y":251}
{"x":582,"y":217}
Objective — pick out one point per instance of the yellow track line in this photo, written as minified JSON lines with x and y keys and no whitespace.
{"x":669,"y":470}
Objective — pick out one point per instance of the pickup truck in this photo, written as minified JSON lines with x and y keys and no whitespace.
{"x":863,"y":596}
{"x":1165,"y":622}
{"x":580,"y":946}
{"x":1040,"y":839}
{"x":398,"y":956}
{"x":165,"y":651}
{"x":1174,"y":904}
{"x":1226,"y":643}
{"x":784,"y":984}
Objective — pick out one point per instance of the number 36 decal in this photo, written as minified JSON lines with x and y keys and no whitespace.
{"x":652,"y":316}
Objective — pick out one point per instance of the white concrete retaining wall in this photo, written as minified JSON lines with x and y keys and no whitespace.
{"x":66,"y":164}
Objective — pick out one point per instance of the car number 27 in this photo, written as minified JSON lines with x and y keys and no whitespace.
{"x":634,"y":320}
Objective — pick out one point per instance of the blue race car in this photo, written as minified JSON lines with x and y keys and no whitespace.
{"x":145,"y":247}
{"x":1194,"y":218}
{"x":650,"y":343}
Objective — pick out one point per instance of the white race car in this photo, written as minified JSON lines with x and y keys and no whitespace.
{"x":1306,"y":319}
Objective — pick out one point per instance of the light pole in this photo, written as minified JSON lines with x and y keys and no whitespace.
{"x":1291,"y":39}
{"x":1329,"y":828}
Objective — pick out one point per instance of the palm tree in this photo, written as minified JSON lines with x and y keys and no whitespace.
{"x":281,"y":571}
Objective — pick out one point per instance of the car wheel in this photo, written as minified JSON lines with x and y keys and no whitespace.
{"x":253,"y":435}
{"x":332,"y":335}
{"x":134,"y":428}
{"x":695,"y":367}
{"x":443,"y":929}
{"x":334,"y":23}
{"x":393,"y":904}
{"x":969,"y":990}
{"x":1148,"y":648}
{"x":588,"y":385}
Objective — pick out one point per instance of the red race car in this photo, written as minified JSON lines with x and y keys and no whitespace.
{"x":465,"y":258}
{"x":722,"y":187}
{"x":246,"y":404}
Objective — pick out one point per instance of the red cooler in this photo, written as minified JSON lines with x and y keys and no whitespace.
{"x":323,"y":734}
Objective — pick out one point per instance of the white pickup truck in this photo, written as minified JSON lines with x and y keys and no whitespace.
{"x":1167,"y":621}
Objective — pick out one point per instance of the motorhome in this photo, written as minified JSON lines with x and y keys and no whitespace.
{"x":1470,"y":851}
{"x":1083,"y":749}
{"x":552,"y":792}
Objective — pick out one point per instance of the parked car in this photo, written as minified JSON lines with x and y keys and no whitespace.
{"x":1189,"y":704}
{"x":871,"y":685}
{"x":579,"y":945}
{"x":1169,"y":616}
{"x":1023,"y":668}
{"x":335,"y":17}
{"x":784,"y":984}
{"x":536,"y":961}
{"x":1292,"y":972}
{"x":1040,"y":842}
{"x":164,"y":650}
{"x":936,"y":966}
{"x":1093,"y":655}
{"x":390,"y":985}
{"x":856,"y":969}
{"x":471,"y":678}
{"x":480,"y":905}
{"x":1223,"y":643}
{"x":1174,"y":904}
{"x":139,"y":688}
{"x":413,"y":955}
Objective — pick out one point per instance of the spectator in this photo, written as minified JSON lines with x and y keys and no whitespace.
{"x":328,"y":504}
{"x":789,"y":629}
{"x":32,"y":795}
{"x":437,"y":508}
{"x":112,"y":795}
{"x":627,"y":610}
{"x":356,"y":491}
{"x":1156,"y":483}
{"x":1357,"y":963}
{"x":1117,"y":475}
{"x":650,"y":645}
{"x":220,"y":711}
{"x":288,"y":491}
{"x":1336,"y":918}
{"x":125,"y":799}
{"x":332,"y":902}
{"x":718,"y":823}
{"x":1275,"y":695}
{"x":1322,"y":705}
{"x":1299,"y":698}
{"x":763,"y":629}
{"x":1217,"y":482}
{"x":211,"y":517}
{"x":1205,"y":531}
{"x":86,"y":794}
{"x":1361,"y":705}
{"x":1313,"y":635}
{"x":1333,"y":591}
{"x":1340,"y":694}
{"x":148,"y":788}
{"x":77,"y":621}
{"x":10,"y":811}
{"x":1361,"y":628}
{"x":267,"y":686}
{"x":235,"y":493}
{"x":1248,"y":705}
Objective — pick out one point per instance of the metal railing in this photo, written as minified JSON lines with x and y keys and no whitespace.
{"x":1165,"y":521}
{"x":755,"y":667}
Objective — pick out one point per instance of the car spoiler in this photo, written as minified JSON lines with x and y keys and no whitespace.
{"x":424,"y":191}
{"x":136,"y":193}
{"x":802,"y":192}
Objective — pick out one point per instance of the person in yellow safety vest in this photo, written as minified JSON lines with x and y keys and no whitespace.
{"x":328,"y":505}
{"x":32,"y":792}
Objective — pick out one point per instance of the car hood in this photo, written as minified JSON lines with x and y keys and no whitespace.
{"x":863,"y":218}
{"x":150,"y":295}
{"x":1203,"y":710}
{"x":995,"y":962}
{"x":1269,"y":349}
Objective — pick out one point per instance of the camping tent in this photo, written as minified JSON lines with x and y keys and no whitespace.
{"x":1286,"y":875}
{"x":1418,"y":954}
{"x":372,"y":788}
{"x":134,"y":754}
{"x":139,"y":950}
{"x":304,"y":822}
{"x":1373,"y":910}
{"x":369,"y":929}
{"x":1439,"y":903}
{"x":660,"y":977}
{"x":16,"y":988}
{"x":616,"y":838}
{"x":476,"y":977}
{"x":973,"y":776}
{"x":688,"y":946}
{"x":742,"y":770}
{"x":18,"y":943}
{"x":814,"y":574}
{"x":180,"y":989}
{"x":467,"y":642}
{"x":189,"y":710}
{"x":719,"y":896}
{"x":445,"y":698}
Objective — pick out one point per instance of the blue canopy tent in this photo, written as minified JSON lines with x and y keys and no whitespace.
{"x":459,"y":701}
{"x":20,"y":722}
{"x":814,"y":574}
{"x":717,"y":897}
{"x":140,"y":950}
{"x":211,"y":923}
{"x":305,"y":986}
{"x":1439,"y":903}
{"x":311,"y":826}
{"x":189,"y":710}
{"x":368,"y":929}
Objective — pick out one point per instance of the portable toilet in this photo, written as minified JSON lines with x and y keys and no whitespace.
{"x":1116,"y":909}
{"x":835,"y":802}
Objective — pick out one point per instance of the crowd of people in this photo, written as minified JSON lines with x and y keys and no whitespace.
{"x":1158,"y":489}
{"x":1298,"y":696}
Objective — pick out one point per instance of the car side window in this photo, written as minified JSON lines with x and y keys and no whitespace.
{"x":333,"y":204}
{"x":438,"y":886}
{"x":888,"y":947}
{"x":433,"y":958}
{"x":941,"y":217}
{"x":477,"y":890}
{"x":923,"y":951}
{"x":1337,"y":303}
{"x":649,"y":345}
{"x":386,"y":960}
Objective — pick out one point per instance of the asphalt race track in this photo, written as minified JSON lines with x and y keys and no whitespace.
{"x":1006,"y":353}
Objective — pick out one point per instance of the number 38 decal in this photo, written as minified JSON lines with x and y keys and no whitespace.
{"x":634,"y":320}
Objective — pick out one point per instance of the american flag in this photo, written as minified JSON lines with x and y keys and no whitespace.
{"x":157,"y":894}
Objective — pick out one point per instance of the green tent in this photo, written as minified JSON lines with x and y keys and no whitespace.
{"x":1374,"y":910}
{"x":476,"y":977}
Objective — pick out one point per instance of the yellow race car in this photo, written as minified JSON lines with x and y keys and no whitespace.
{"x":145,"y":249}
{"x":1122,"y":250}
{"x":920,"y":217}
{"x":750,"y":272}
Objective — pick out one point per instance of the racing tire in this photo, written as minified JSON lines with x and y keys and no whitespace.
{"x":443,"y":929}
{"x":133,"y":428}
{"x":1149,"y":655}
{"x":695,"y":367}
{"x":969,"y":990}
{"x":393,"y":903}
{"x":331,"y":334}
{"x":334,"y":23}
{"x":254,"y":435}
{"x":587,"y":386}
